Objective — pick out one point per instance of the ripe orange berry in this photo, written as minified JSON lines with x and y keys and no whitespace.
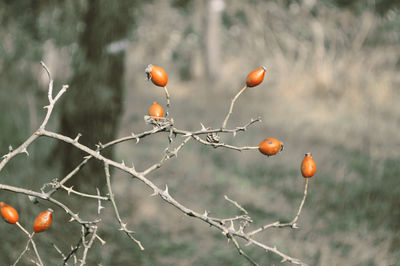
{"x":308,"y":166}
{"x":43,"y":221}
{"x":9,"y":214}
{"x":156,"y":111}
{"x":270,"y":146}
{"x":255,"y":77}
{"x":157,"y":75}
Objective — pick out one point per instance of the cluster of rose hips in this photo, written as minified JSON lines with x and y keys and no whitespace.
{"x":269,"y":146}
{"x":42,"y":221}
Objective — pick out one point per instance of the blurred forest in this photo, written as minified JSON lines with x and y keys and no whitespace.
{"x":332,"y":88}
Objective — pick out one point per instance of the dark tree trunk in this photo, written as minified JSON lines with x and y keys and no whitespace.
{"x":93,"y":104}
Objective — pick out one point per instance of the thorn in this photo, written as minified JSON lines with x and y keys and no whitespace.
{"x":10,"y":148}
{"x":248,"y":244}
{"x":137,"y":140}
{"x":203,"y":128}
{"x":101,"y":240}
{"x":87,"y":157}
{"x":155,"y":193}
{"x":284,"y":260}
{"x":133,"y":167}
{"x":77,"y":137}
{"x":166,"y":190}
{"x":69,"y":189}
{"x":46,"y":107}
{"x":25,"y":151}
{"x":234,"y":133}
{"x":33,"y":199}
{"x":205,"y":213}
{"x":123,"y":227}
{"x":232,"y":227}
{"x":123,"y":163}
{"x":71,"y":220}
{"x":295,"y":226}
{"x":240,"y":229}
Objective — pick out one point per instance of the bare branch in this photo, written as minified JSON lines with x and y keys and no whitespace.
{"x":123,"y":225}
{"x":217,"y":145}
{"x":30,"y":240}
{"x":168,"y":101}
{"x":231,"y":107}
{"x":279,"y":224}
{"x":236,"y":204}
{"x":241,"y":252}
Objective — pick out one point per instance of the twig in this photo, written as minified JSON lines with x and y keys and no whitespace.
{"x":85,"y":195}
{"x":236,"y":204}
{"x":67,"y":177}
{"x":168,"y":155}
{"x":23,"y":147}
{"x":168,"y":101}
{"x":77,"y":247}
{"x":241,"y":252}
{"x":231,"y":107}
{"x":88,"y":245}
{"x":220,"y":144}
{"x":30,"y":240}
{"x":218,"y":130}
{"x":123,"y":225}
{"x":279,"y":224}
{"x":59,"y":251}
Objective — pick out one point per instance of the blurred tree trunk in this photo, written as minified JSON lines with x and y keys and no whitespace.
{"x":215,"y":8}
{"x":93,"y":104}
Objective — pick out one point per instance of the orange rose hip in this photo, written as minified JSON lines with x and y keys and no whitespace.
{"x":156,"y":111}
{"x":308,"y":166}
{"x":43,"y":221}
{"x":255,"y":77}
{"x":9,"y":214}
{"x":270,"y":146}
{"x":157,"y":75}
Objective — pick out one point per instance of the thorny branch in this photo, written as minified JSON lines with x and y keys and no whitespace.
{"x":30,"y":241}
{"x":123,"y":228}
{"x":89,"y":228}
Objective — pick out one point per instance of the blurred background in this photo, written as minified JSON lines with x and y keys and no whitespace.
{"x":332,"y":89}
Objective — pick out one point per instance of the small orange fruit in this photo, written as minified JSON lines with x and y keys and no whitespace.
{"x":308,"y":166}
{"x":255,"y":77}
{"x":43,"y":221}
{"x":9,"y":214}
{"x":157,"y":75}
{"x":270,"y":146}
{"x":156,"y":111}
